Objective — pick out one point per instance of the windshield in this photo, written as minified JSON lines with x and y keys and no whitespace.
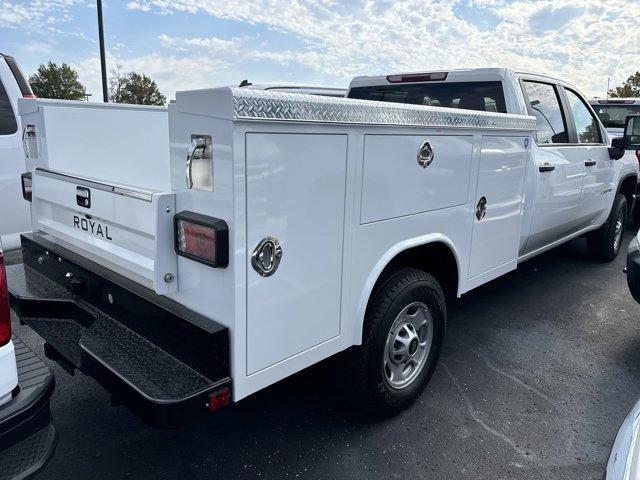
{"x":613,"y":116}
{"x":484,"y":96}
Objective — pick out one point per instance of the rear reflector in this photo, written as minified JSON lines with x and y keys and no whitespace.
{"x":27,"y":186}
{"x":417,"y":77}
{"x":5,"y":314}
{"x":219,"y":399}
{"x":202,"y":238}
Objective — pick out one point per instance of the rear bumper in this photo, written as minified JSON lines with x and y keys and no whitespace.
{"x":633,"y":268}
{"x":161,"y":360}
{"x":27,"y":436}
{"x":8,"y":372}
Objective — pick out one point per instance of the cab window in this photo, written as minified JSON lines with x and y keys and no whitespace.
{"x":587,"y":126}
{"x":544,"y":104}
{"x":483,"y":96}
{"x":8,"y":125}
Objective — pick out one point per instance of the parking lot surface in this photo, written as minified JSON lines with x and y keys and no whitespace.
{"x":538,"y":371}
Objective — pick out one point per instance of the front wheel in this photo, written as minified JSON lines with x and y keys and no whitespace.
{"x":604,"y":244}
{"x":403,"y":334}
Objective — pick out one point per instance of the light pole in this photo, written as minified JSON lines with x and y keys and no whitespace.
{"x":103,"y":60}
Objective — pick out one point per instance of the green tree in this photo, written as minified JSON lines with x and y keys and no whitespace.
{"x":53,"y":81}
{"x":630,"y":88}
{"x":136,"y":88}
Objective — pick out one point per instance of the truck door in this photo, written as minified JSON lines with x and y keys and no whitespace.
{"x":558,"y":173}
{"x":295,"y":225}
{"x":589,"y":148}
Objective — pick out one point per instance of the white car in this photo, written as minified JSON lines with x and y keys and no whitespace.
{"x":27,"y":435}
{"x":298,"y":226}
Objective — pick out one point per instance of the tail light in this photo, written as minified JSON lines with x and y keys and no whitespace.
{"x":5,"y":314}
{"x":28,"y":95}
{"x":27,"y":186}
{"x":417,"y":77}
{"x":638,"y":155}
{"x":201,"y":238}
{"x":219,"y":399}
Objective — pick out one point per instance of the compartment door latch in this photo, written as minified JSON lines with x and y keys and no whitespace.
{"x":266,"y":256}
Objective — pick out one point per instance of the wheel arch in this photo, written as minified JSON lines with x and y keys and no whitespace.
{"x":627,"y":186}
{"x":417,"y":253}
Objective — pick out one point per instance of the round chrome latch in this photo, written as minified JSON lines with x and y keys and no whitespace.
{"x":266,"y":256}
{"x":481,"y":208}
{"x":425,"y":154}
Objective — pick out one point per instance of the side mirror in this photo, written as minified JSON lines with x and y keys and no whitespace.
{"x":631,"y":139}
{"x":616,"y":150}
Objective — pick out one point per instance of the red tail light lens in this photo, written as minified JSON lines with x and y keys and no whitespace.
{"x":28,"y":95}
{"x":5,"y":314}
{"x":219,"y":399}
{"x":203,"y":239}
{"x":638,"y":155}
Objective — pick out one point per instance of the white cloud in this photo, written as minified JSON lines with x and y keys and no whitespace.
{"x":583,"y":41}
{"x":35,"y":13}
{"x":169,"y":72}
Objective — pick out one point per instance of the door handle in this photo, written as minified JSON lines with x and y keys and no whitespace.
{"x":589,"y":163}
{"x":196,"y":151}
{"x":547,"y":168}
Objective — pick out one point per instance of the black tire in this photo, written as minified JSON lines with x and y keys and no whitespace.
{"x":604,"y":244}
{"x":397,"y":292}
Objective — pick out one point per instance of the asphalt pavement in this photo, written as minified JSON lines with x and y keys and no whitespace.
{"x":538,"y":371}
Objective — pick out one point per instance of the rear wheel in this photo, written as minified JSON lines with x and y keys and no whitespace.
{"x":604,"y":244}
{"x":404,"y":332}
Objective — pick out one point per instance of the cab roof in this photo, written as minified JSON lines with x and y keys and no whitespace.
{"x":455,"y":75}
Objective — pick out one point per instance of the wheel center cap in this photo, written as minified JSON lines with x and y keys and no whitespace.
{"x":413,"y":346}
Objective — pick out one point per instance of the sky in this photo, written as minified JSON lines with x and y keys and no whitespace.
{"x":187,"y":44}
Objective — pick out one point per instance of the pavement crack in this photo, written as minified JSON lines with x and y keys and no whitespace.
{"x":515,"y":379}
{"x":475,"y":415}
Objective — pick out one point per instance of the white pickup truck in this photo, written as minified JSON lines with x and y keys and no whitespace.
{"x":299,"y":226}
{"x":14,"y":213}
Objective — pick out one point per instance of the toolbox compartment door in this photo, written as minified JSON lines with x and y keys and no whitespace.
{"x":496,"y":232}
{"x":394,"y":184}
{"x":296,"y":195}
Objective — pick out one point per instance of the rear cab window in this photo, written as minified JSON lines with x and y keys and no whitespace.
{"x":613,"y":115}
{"x":8,"y":124}
{"x":544,"y":104}
{"x":21,"y":80}
{"x":486,"y":96}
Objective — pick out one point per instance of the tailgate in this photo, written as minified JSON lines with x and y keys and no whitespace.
{"x":126,"y":229}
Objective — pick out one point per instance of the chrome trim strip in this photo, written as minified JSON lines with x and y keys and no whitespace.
{"x":253,"y":104}
{"x":144,"y":195}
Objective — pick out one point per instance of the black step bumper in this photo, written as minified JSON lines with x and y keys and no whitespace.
{"x":161,"y":360}
{"x":27,"y":436}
